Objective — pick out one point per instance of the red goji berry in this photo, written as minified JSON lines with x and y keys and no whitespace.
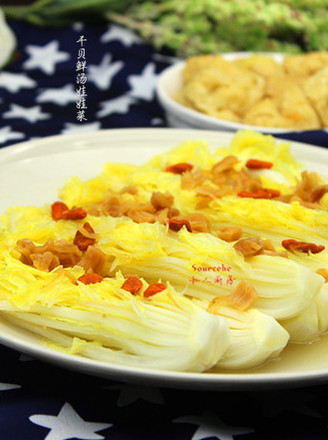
{"x":154,"y":288}
{"x":132,"y":285}
{"x":57,"y":209}
{"x":176,"y":224}
{"x":179,"y":168}
{"x":83,"y":242}
{"x":90,"y":278}
{"x":303,"y":246}
{"x":256,"y":164}
{"x":74,"y":214}
{"x":263,"y":193}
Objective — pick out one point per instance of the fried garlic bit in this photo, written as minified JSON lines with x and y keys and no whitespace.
{"x":230,"y":234}
{"x":242,"y":298}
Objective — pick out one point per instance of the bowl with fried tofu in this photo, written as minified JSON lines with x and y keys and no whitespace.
{"x":268,"y":92}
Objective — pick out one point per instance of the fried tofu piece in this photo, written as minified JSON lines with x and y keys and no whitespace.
{"x":259,"y":91}
{"x":289,"y":108}
{"x":276,"y":86}
{"x":213,"y":90}
{"x":305,"y":65}
{"x":228,"y":115}
{"x":265,"y":114}
{"x":197,"y":63}
{"x":316,"y":89}
{"x":264,"y":66}
{"x":293,"y":105}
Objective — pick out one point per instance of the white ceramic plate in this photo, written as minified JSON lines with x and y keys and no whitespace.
{"x":31,"y":172}
{"x":170,"y":82}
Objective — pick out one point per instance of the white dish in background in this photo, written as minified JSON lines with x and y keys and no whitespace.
{"x":46,"y":163}
{"x":178,"y":116}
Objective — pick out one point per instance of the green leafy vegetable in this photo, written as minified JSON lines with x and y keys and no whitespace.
{"x":192,"y":27}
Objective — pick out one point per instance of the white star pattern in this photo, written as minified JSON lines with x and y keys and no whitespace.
{"x":13,"y":82}
{"x":77,"y":128}
{"x":45,"y":57}
{"x":165,"y":58}
{"x":131,"y":393}
{"x":8,"y":386}
{"x":103,"y":74}
{"x":77,"y":26}
{"x":157,"y":121}
{"x":60,"y":96}
{"x":6,"y":134}
{"x":31,"y":114}
{"x":68,"y":424}
{"x":143,"y":85}
{"x":116,"y":105}
{"x":211,"y":426}
{"x":125,"y":36}
{"x":283,"y":401}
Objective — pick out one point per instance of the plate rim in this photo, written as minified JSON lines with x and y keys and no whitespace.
{"x":163,"y":378}
{"x":30,"y":145}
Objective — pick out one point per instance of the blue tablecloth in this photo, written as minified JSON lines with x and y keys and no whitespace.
{"x":86,"y":78}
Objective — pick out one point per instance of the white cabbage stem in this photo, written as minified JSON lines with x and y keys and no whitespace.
{"x":256,"y":338}
{"x":181,"y":338}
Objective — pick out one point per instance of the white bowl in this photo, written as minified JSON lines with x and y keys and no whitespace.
{"x":170,"y":82}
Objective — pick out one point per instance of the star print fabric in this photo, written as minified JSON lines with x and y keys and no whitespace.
{"x":39,"y":401}
{"x":46,"y":402}
{"x":39,"y":89}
